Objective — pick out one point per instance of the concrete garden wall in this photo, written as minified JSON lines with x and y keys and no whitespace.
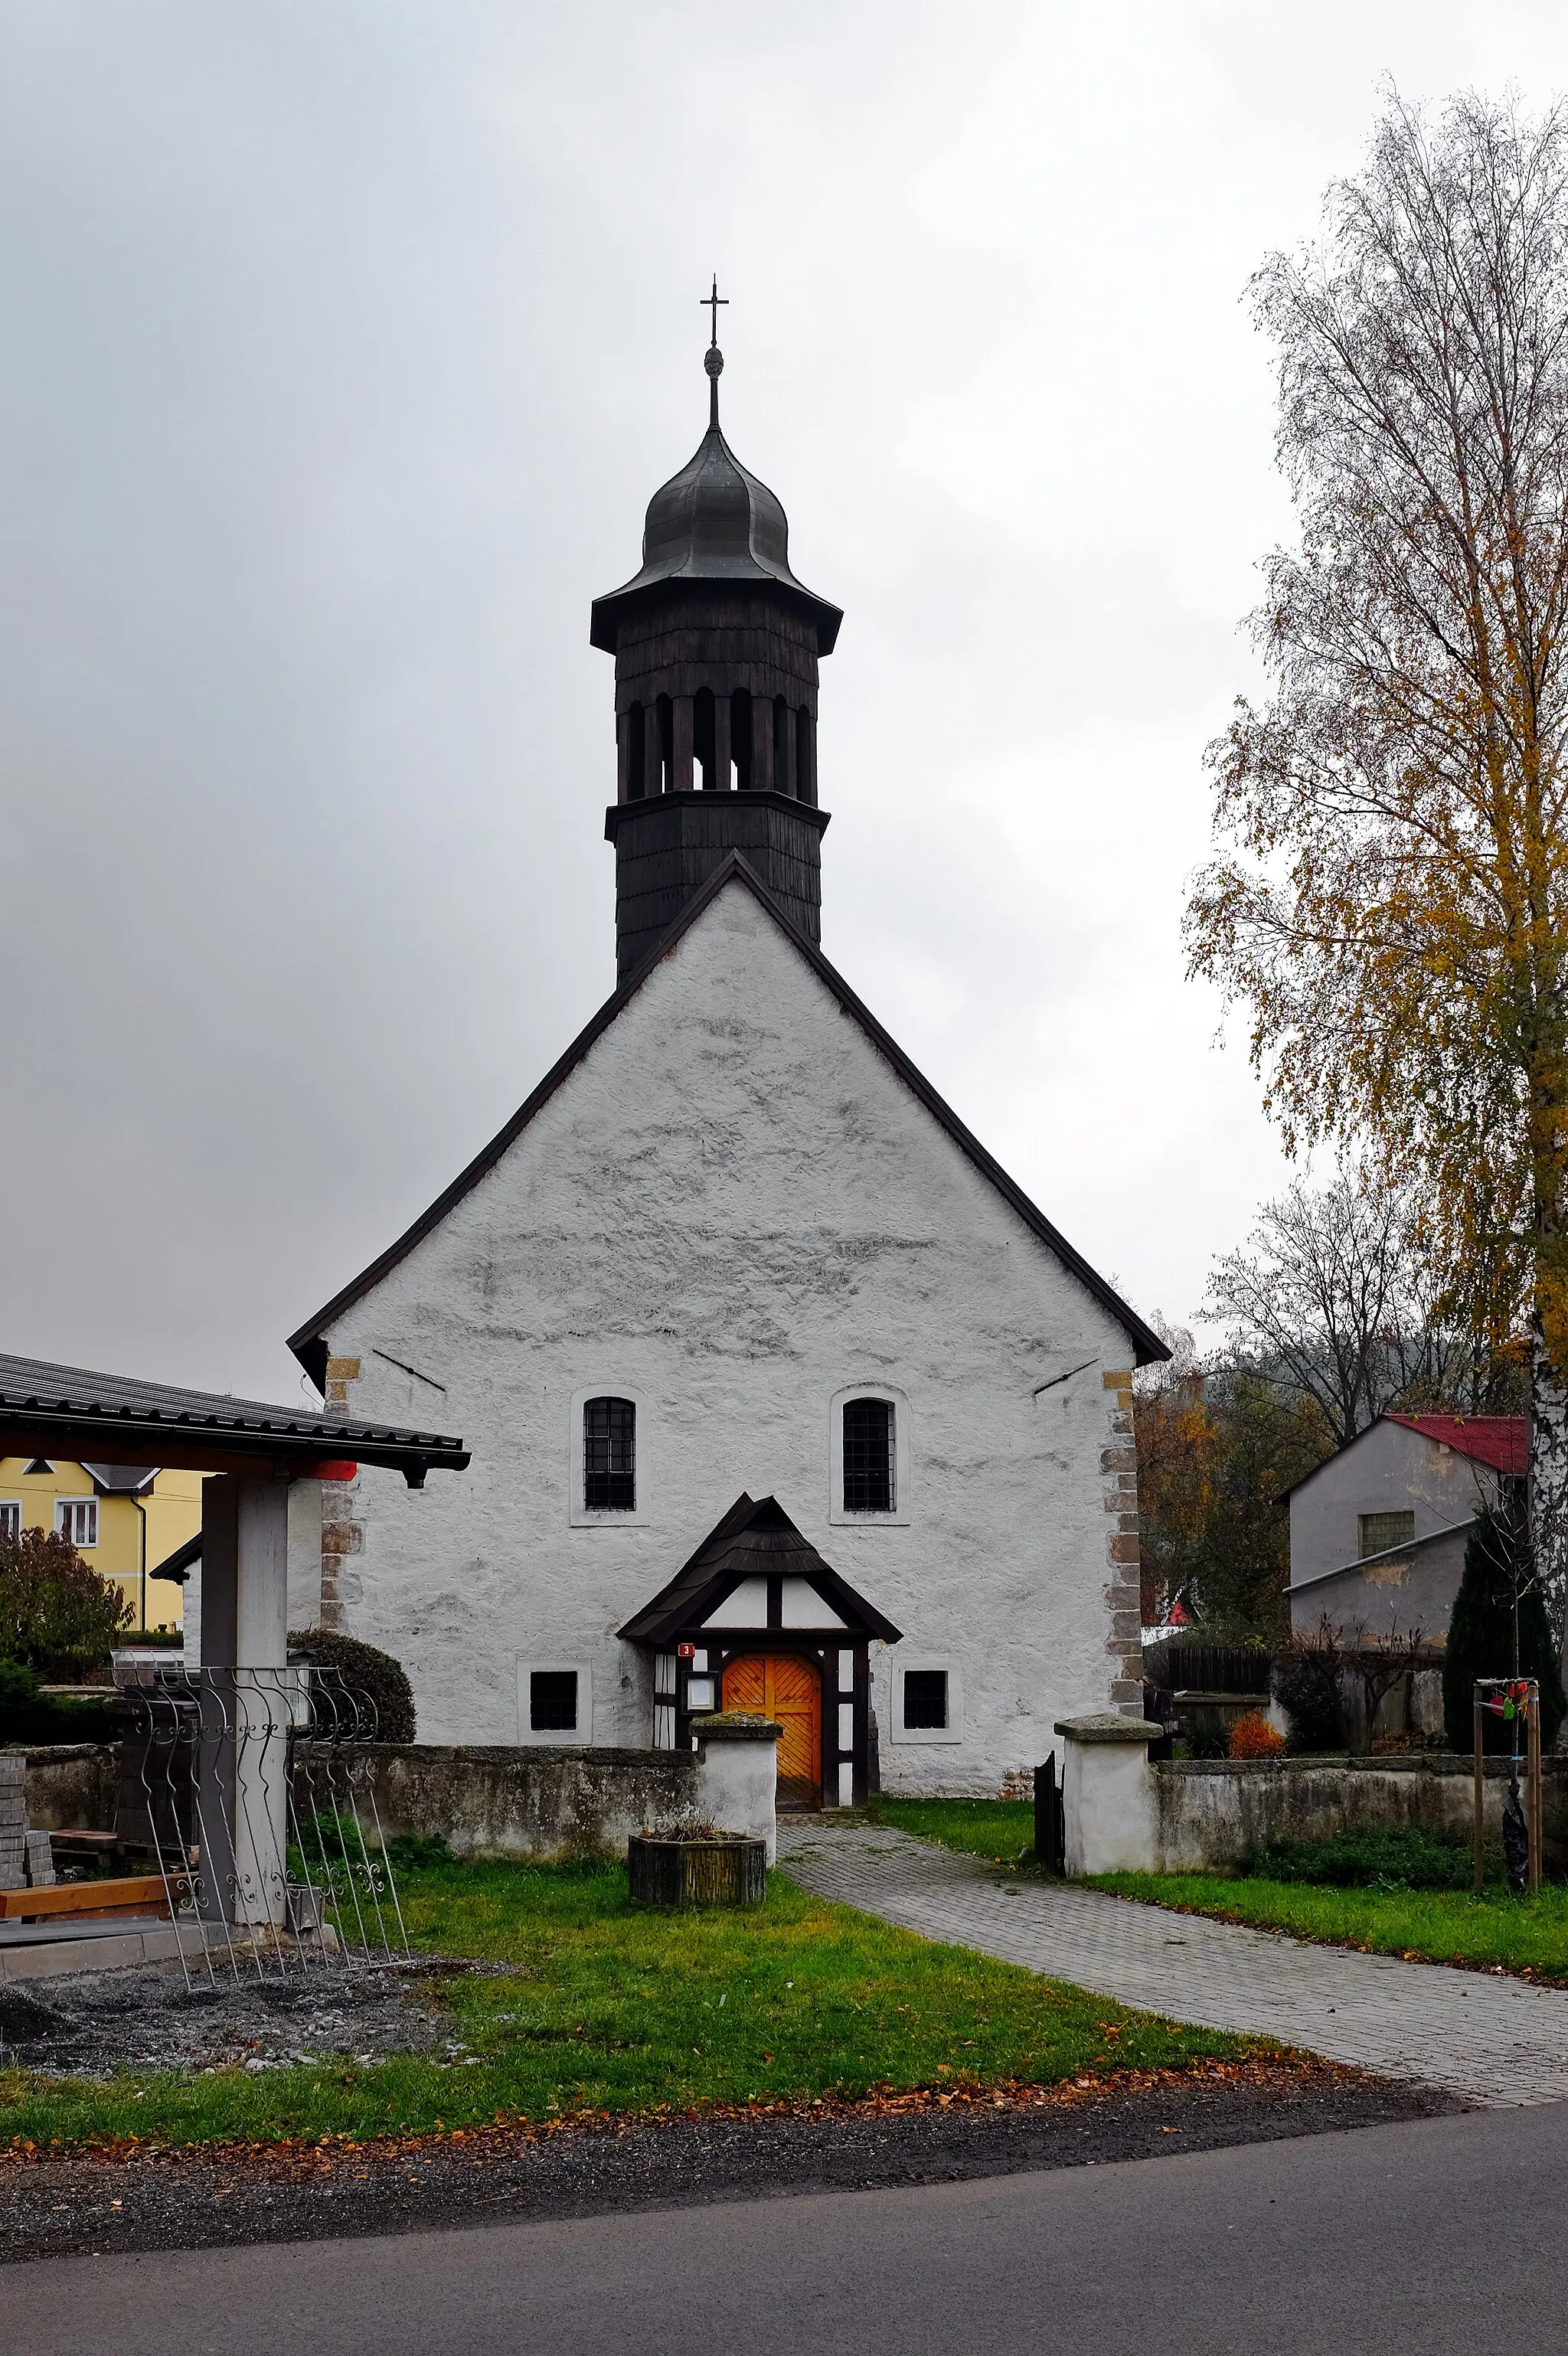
{"x":508,"y":1800}
{"x":1205,"y":1812}
{"x":505,"y":1800}
{"x":73,"y":1785}
{"x":1125,"y":1813}
{"x":484,"y":1800}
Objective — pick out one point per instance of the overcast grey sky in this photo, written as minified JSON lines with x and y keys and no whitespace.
{"x":341,"y":347}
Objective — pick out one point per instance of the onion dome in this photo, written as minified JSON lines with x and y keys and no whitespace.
{"x":713,"y":521}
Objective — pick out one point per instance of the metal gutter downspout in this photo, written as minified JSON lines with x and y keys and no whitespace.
{"x":142,"y":1573}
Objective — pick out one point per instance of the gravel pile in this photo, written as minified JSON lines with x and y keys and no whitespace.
{"x":91,"y":2024}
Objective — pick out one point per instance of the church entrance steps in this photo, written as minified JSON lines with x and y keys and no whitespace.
{"x":1495,"y":2042}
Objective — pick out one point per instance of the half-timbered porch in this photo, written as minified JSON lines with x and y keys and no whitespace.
{"x":758,"y":1620}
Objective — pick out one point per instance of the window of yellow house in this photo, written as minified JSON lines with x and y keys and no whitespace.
{"x":10,"y":1520}
{"x":76,"y":1518}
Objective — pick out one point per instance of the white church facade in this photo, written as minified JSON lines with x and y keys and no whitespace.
{"x":779,"y":1393}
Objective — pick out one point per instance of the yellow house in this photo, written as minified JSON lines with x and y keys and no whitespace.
{"x":123,"y":1520}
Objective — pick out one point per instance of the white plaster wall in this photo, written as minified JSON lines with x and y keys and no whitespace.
{"x":733,"y":1208}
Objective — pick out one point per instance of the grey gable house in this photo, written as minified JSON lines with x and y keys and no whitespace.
{"x":780,"y":1393}
{"x":1378,"y":1533}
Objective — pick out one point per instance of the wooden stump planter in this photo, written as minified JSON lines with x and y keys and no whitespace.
{"x":720,"y":1869}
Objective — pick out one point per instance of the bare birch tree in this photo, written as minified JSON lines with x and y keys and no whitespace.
{"x":1389,"y":896}
{"x":1336,"y":1296}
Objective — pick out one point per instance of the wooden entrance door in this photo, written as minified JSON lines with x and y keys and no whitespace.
{"x":783,"y":1687}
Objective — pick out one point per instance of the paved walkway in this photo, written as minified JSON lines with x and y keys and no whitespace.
{"x":1495,"y":2041}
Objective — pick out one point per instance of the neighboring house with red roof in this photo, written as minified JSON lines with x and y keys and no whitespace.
{"x":1377,"y":1534}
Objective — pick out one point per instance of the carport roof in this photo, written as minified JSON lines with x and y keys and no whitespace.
{"x":66,"y":1411}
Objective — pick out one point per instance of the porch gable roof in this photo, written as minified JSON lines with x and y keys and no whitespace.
{"x":756,"y":1540}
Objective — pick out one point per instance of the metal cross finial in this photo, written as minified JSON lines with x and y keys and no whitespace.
{"x":713,"y":303}
{"x":714,"y":360}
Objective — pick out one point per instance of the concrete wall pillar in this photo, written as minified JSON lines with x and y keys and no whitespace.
{"x":736,"y":1775}
{"x":304,"y":1519}
{"x":242,"y":1797}
{"x":1107,"y":1794}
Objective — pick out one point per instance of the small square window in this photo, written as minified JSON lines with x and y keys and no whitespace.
{"x":925,"y":1697}
{"x":700,"y":1693}
{"x":10,"y":1520}
{"x":553,"y":1701}
{"x":76,"y":1519}
{"x":1381,"y":1531}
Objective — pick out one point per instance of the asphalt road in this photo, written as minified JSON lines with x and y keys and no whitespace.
{"x":1435,"y":2237}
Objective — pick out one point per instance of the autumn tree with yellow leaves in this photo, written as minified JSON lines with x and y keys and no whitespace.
{"x":1389,"y":896}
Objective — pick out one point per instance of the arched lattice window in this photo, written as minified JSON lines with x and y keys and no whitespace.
{"x":868,"y":1456}
{"x":609,"y":1456}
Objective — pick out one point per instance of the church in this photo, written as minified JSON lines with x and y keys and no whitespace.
{"x":780,"y":1394}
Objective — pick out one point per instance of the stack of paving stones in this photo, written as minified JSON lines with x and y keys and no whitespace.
{"x":13,"y":1820}
{"x":40,"y":1862}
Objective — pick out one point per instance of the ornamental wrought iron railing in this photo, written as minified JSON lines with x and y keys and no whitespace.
{"x":253,"y":1790}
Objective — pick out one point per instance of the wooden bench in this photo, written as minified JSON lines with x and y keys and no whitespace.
{"x":141,"y":1893}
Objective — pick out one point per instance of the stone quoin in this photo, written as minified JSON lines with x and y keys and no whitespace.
{"x":781,"y":1395}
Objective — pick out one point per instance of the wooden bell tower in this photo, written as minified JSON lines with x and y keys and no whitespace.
{"x":716,"y":645}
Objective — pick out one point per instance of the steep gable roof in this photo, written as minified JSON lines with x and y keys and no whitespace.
{"x":309,"y":1344}
{"x":753,"y":1539}
{"x":1500,"y":1441}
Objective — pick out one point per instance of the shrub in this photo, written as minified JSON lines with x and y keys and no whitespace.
{"x":33,"y":1719}
{"x":1206,"y":1737}
{"x":1498,"y":1568}
{"x":57,"y":1617}
{"x":18,"y":1686}
{"x":364,"y":1670}
{"x":1307,"y":1687}
{"x":418,"y":1852}
{"x":1252,"y":1737}
{"x":1395,"y":1857}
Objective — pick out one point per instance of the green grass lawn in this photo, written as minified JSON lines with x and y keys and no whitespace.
{"x":999,"y":1829}
{"x":1442,"y":1926}
{"x":602,"y":2006}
